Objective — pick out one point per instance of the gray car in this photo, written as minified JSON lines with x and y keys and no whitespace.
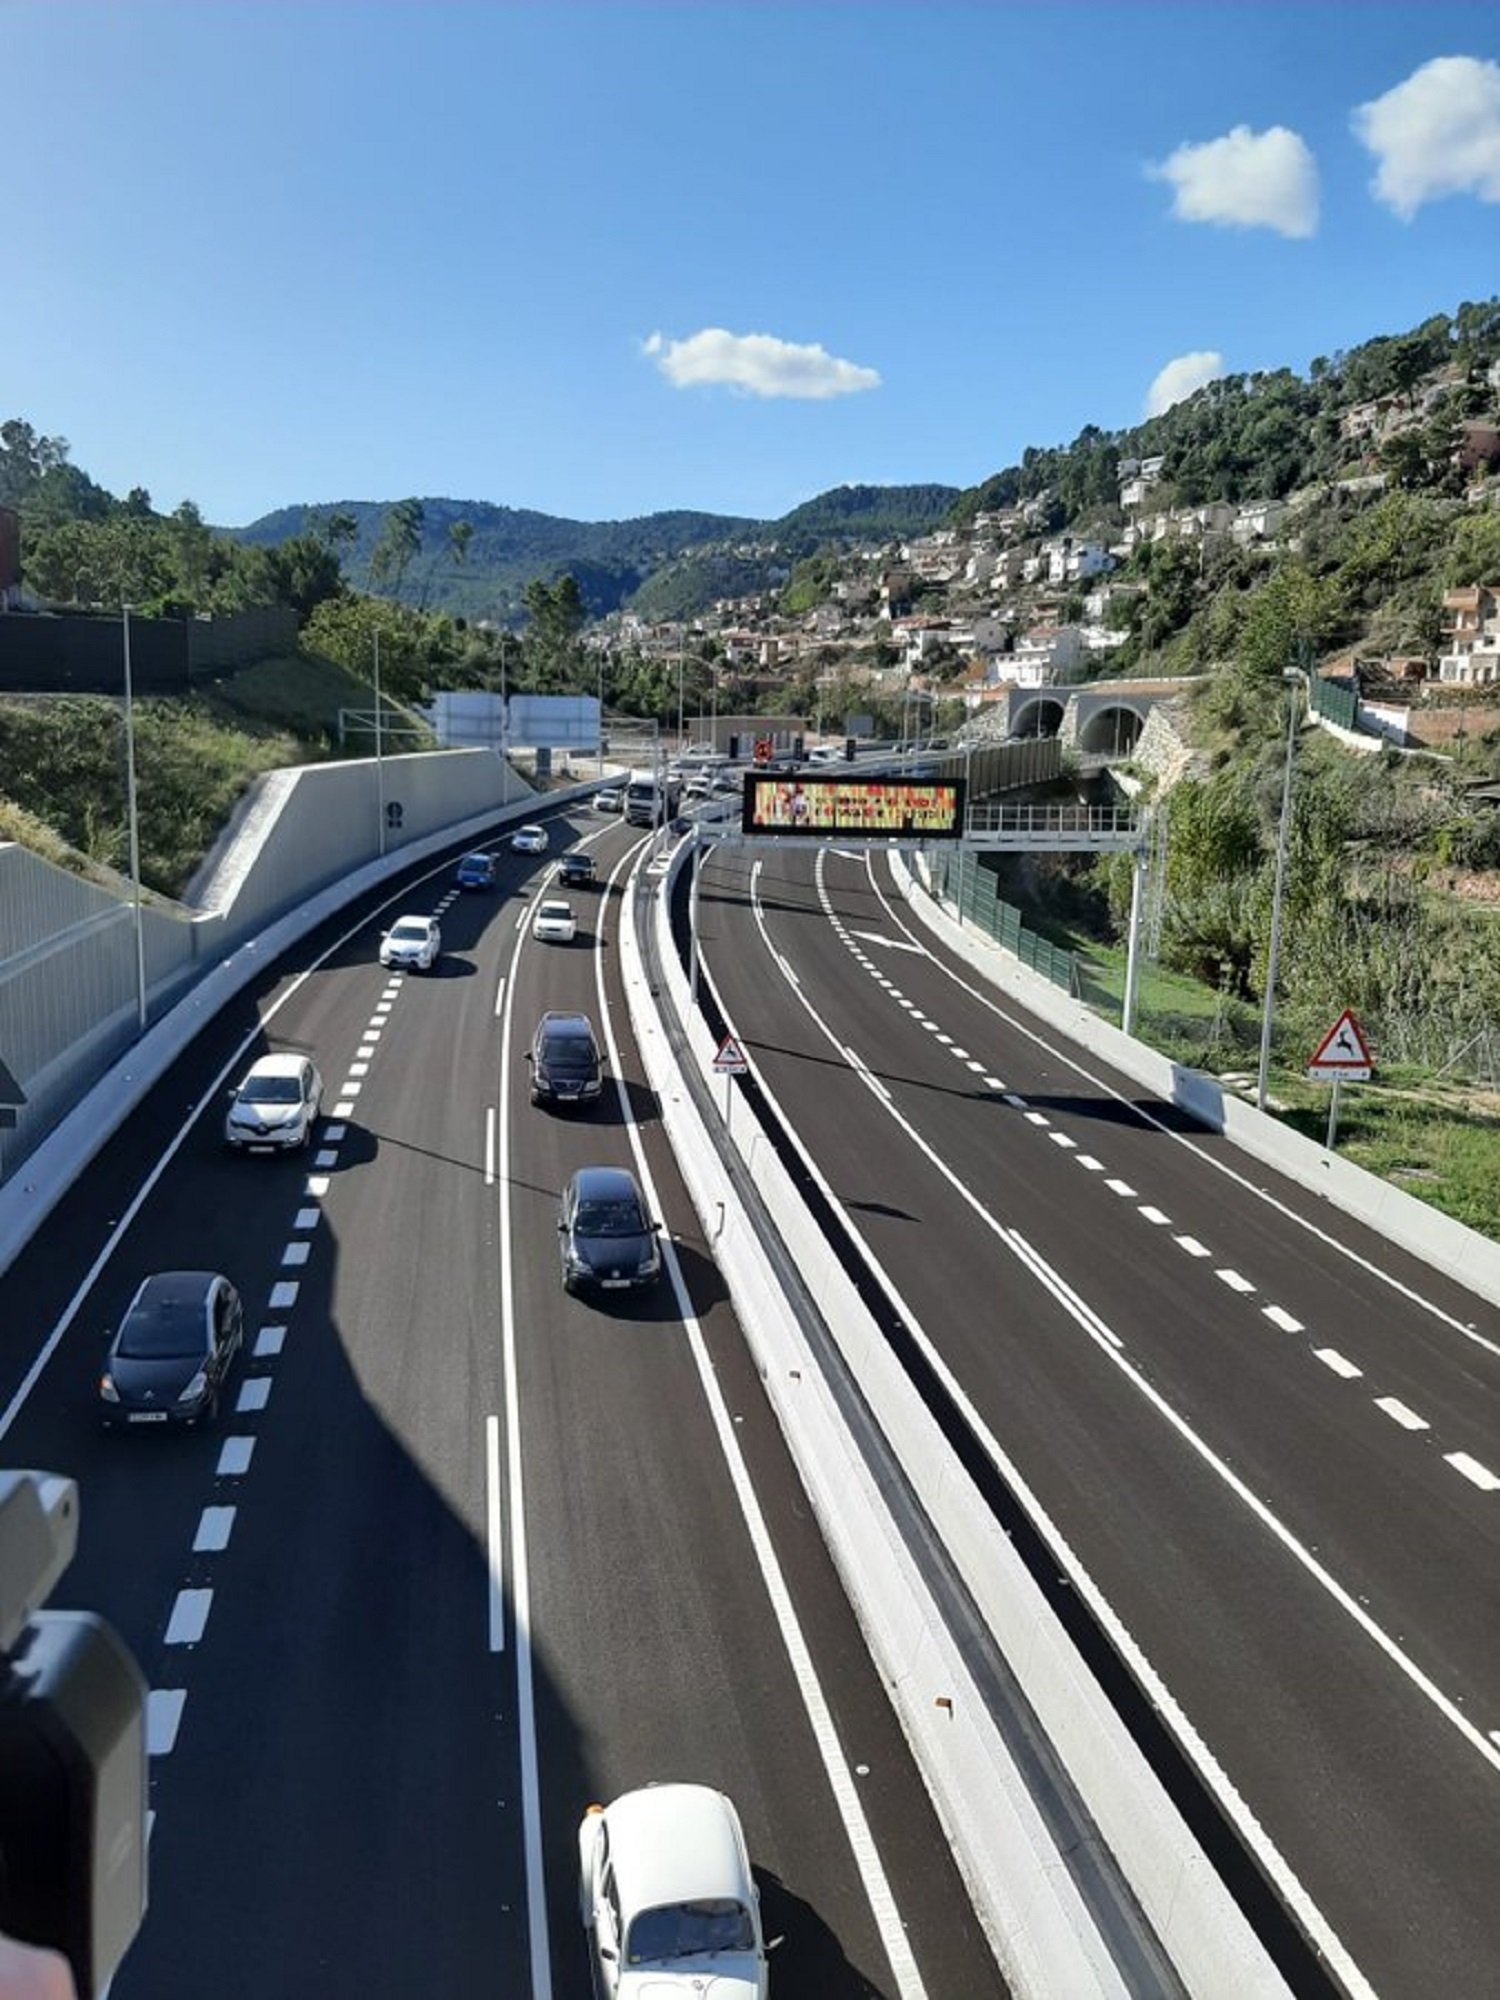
{"x":168,"y":1361}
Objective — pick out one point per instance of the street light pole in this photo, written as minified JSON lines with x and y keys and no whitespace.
{"x":133,"y":821}
{"x":1292,"y":676}
{"x":379,"y":753}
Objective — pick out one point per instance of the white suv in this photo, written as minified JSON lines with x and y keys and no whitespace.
{"x":275,"y":1107}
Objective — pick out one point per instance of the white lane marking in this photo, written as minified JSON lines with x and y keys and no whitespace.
{"x":327,"y":1158}
{"x":1036,"y":1117}
{"x":857,"y":1063}
{"x":977,"y":1067}
{"x":335,"y":1133}
{"x":235,"y":1454}
{"x":489,"y":1145}
{"x":189,"y":1616}
{"x":1235,"y":1281}
{"x":1219,"y":1164}
{"x":1480,"y":1475}
{"x":944,"y":1041}
{"x":1275,"y":1864}
{"x":357,"y":1069}
{"x":294,"y":1254}
{"x":1069,"y":1145}
{"x":494,"y":1546}
{"x":962,"y":1054}
{"x":352,"y":1088}
{"x":214,"y":1527}
{"x":1397,"y":1411}
{"x":1279,"y":1316}
{"x":1154,"y":1216}
{"x":211,"y":1095}
{"x":1090,"y":1164}
{"x":882,"y":1903}
{"x":993,"y":1083}
{"x":284,"y":1296}
{"x":254,"y":1395}
{"x":890,"y":944}
{"x":305,"y":1218}
{"x":345,"y":1108}
{"x":1331,"y":1358}
{"x":382,"y":1011}
{"x":269,"y":1342}
{"x":1192,"y":1246}
{"x":316,"y":1186}
{"x":499,"y":998}
{"x":164,"y":1708}
{"x":1122,"y":1188}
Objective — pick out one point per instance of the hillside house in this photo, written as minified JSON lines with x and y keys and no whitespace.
{"x":1258,"y":520}
{"x":1471,"y":629}
{"x":1043,"y":654}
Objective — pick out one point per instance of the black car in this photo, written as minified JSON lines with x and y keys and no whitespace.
{"x":607,"y":1238}
{"x":565,"y":1063}
{"x":577,"y":871}
{"x":168,"y":1362}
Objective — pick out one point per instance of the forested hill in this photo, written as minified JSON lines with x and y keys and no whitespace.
{"x":678,"y":561}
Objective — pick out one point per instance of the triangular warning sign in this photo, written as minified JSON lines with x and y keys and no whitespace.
{"x":1343,"y":1050}
{"x":731,"y":1057}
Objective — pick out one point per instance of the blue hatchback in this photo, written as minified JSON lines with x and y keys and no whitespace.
{"x":476,"y":871}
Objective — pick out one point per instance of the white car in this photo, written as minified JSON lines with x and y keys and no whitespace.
{"x":554,"y":922}
{"x":412,"y":944}
{"x":274,"y":1109}
{"x":529,"y":840}
{"x":668,"y":1899}
{"x":610,"y":800}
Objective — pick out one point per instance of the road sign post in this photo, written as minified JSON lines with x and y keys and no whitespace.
{"x":729,"y":1063}
{"x":1343,"y":1056}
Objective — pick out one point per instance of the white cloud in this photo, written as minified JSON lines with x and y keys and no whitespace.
{"x":1246,"y":180}
{"x":1438,"y":133}
{"x":756,"y":364}
{"x":1180,"y":378}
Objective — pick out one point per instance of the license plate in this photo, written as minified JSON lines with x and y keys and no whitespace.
{"x":614,"y":1284}
{"x":147,"y":1417}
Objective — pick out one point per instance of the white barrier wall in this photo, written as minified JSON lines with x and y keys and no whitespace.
{"x":1044,"y":1936}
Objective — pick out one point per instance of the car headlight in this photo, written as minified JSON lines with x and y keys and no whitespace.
{"x":108,"y":1390}
{"x":195,"y":1388}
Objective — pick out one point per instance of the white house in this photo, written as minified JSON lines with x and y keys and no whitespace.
{"x":1044,"y":654}
{"x":1258,"y":520}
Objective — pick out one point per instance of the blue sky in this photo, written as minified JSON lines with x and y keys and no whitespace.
{"x":605,"y":259}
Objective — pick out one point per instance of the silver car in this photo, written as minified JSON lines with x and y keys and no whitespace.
{"x":412,"y":944}
{"x":275,"y":1107}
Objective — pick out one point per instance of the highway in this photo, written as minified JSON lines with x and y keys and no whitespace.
{"x":462,"y":1553}
{"x":1265,"y":1442}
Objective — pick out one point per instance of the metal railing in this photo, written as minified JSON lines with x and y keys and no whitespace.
{"x":1095,"y":829}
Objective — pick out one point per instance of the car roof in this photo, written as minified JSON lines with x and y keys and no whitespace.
{"x":555,"y":907}
{"x":677,"y":1844}
{"x":530,"y":827}
{"x":559,"y":1023}
{"x":411,"y":917}
{"x":175,"y":1289}
{"x":475,"y":856}
{"x":279,"y":1063}
{"x":605,"y":1184}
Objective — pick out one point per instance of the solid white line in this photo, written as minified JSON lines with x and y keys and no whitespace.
{"x":1397,"y":1411}
{"x":214,"y":1526}
{"x":489,"y":1145}
{"x":164,"y":1708}
{"x":1331,"y":1358}
{"x":520,"y":1568}
{"x":254,"y":1395}
{"x":235,"y":1454}
{"x":1279,"y":1316}
{"x":1480,"y":1475}
{"x":883,"y":1905}
{"x":269,"y":1342}
{"x":189,"y":1616}
{"x":495,"y":1547}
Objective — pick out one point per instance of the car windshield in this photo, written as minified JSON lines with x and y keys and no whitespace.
{"x":164,"y":1330}
{"x":608,"y":1218}
{"x":475,"y":864}
{"x":688,"y":1930}
{"x":270,"y":1090}
{"x":572,"y":1053}
{"x":556,"y":912}
{"x":410,"y":933}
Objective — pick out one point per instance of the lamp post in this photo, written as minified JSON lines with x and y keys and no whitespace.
{"x":379,"y":753}
{"x":601,"y":711}
{"x":1293,"y":677}
{"x":133,"y":821}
